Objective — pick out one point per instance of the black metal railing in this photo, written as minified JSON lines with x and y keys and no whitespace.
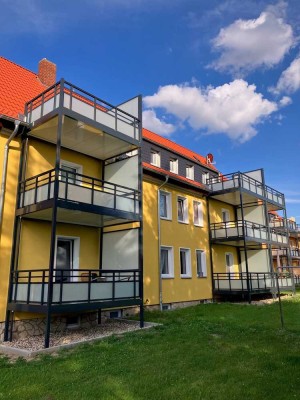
{"x":241,"y":229}
{"x":239,"y":179}
{"x":75,"y":286}
{"x":79,"y":188}
{"x":253,"y":281}
{"x":79,"y":100}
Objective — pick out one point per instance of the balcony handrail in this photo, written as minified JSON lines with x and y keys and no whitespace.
{"x":50,"y":176}
{"x":240,"y":175}
{"x":237,"y":223}
{"x":84,"y":99}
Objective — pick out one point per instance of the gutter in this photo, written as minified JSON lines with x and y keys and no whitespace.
{"x":159,"y":240}
{"x":5,"y":164}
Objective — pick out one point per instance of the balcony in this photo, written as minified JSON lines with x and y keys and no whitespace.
{"x":234,"y":232}
{"x":259,"y":282}
{"x":78,"y":102}
{"x":226,"y":188}
{"x":74,"y":290}
{"x":79,"y":193}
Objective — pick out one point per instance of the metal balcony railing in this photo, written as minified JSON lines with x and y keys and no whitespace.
{"x":240,"y":229}
{"x":78,"y":188}
{"x":258,"y":282}
{"x":238,"y":179}
{"x":70,"y":286}
{"x":78,"y":100}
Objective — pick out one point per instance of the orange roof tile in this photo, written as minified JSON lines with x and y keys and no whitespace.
{"x":177,"y":148}
{"x":17,"y":86}
{"x":162,"y":171}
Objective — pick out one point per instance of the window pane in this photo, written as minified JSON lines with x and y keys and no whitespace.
{"x":180,"y":207}
{"x":164,"y":261}
{"x":183,"y":269}
{"x":199,"y":263}
{"x":68,"y":174}
{"x":163,"y":205}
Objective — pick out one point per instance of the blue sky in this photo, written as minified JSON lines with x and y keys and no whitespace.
{"x":216,"y":76}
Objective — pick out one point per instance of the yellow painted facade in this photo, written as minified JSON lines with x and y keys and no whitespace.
{"x":176,"y":235}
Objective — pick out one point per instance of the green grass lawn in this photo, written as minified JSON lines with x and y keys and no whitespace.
{"x":211,"y":351}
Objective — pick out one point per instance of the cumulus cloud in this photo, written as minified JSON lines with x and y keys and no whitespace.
{"x":234,"y":108}
{"x":285,"y":101}
{"x":153,"y":123}
{"x":248,"y":44}
{"x":289,"y":81}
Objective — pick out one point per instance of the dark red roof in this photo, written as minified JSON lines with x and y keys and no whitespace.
{"x":164,"y":172}
{"x":17,"y":86}
{"x":176,"y":148}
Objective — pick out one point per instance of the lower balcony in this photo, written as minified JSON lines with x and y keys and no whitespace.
{"x":83,"y":289}
{"x":78,"y":194}
{"x":253,"y":282}
{"x":234,"y":233}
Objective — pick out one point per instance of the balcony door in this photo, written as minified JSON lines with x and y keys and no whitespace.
{"x":64,"y":260}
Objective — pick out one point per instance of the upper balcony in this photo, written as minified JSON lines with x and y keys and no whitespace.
{"x":235,"y":232}
{"x":90,"y":125}
{"x":81,"y":199}
{"x":226,"y":188}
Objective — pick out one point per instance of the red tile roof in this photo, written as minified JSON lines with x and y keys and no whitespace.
{"x":164,"y":172}
{"x":176,"y":148}
{"x":17,"y":86}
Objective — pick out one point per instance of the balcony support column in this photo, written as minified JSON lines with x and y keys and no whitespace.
{"x":54,"y":221}
{"x":140,"y":239}
{"x":244,"y":239}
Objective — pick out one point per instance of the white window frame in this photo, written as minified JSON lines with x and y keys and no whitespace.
{"x":155,"y":158}
{"x":199,"y":222}
{"x":190,"y":172}
{"x":227,"y":213}
{"x":203,"y":263}
{"x":174,"y":165}
{"x":187,"y":252}
{"x":75,"y":166}
{"x":168,"y":196}
{"x":75,"y":255}
{"x":170,"y":261}
{"x":185,"y":219}
{"x":205,"y":177}
{"x":229,"y":266}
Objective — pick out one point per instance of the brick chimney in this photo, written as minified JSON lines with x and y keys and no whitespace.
{"x":47,"y":72}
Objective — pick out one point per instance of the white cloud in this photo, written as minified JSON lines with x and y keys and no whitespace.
{"x":285,"y":101}
{"x":289,"y":81}
{"x":248,"y":44}
{"x":153,"y":123}
{"x":234,"y":108}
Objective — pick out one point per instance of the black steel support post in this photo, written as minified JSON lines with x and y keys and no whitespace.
{"x":15,"y":245}
{"x":140,"y":189}
{"x":54,"y":218}
{"x":244,"y":240}
{"x":210,"y":247}
{"x":289,"y":258}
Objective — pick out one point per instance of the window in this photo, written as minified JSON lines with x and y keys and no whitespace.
{"x":198,"y":213}
{"x":166,"y":262}
{"x":225,"y":215}
{"x":174,"y":165}
{"x":189,"y":172}
{"x":229,"y":262}
{"x":165,"y":210}
{"x":185,"y":263}
{"x":70,"y":172}
{"x":182,"y":209}
{"x":155,"y":158}
{"x":205,"y":177}
{"x":201,"y":263}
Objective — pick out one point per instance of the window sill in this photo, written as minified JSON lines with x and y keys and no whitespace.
{"x":185,"y":276}
{"x":199,"y":226}
{"x":183,"y":222}
{"x":167,"y":277}
{"x":166,"y":219}
{"x":201,"y":277}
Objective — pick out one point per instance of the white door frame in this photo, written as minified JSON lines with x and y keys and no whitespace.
{"x":75,"y":255}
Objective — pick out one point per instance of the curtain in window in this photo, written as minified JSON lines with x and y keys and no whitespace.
{"x":164,"y":265}
{"x":163,"y":205}
{"x":180,"y":206}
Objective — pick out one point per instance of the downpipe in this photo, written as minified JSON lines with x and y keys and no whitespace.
{"x":4,"y":170}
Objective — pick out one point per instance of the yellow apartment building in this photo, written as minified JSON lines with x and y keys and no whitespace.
{"x":98,"y":213}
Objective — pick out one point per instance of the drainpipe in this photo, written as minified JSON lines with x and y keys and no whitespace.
{"x":4,"y":173}
{"x":159,"y":240}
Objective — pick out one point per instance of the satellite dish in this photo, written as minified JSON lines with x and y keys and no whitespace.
{"x":209,"y":158}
